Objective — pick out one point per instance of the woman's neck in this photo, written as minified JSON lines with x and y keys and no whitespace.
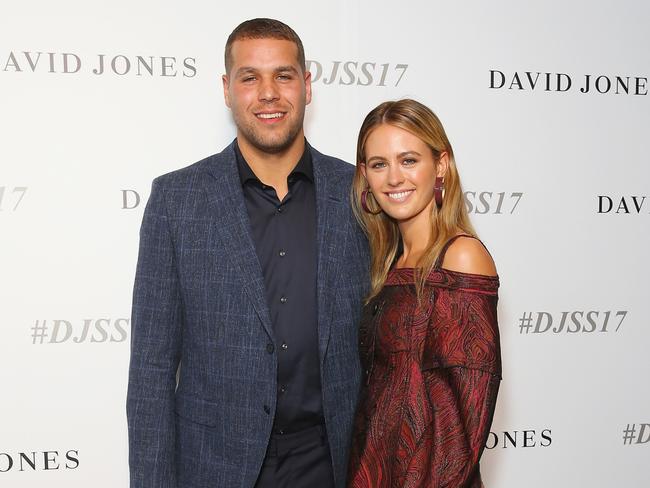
{"x":416,"y":236}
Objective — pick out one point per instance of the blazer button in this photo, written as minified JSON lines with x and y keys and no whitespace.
{"x":267,"y":409}
{"x":270,"y":348}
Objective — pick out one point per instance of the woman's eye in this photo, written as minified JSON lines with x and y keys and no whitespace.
{"x":377,"y":165}
{"x":409,"y":162}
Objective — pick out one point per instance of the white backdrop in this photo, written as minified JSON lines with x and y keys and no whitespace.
{"x":542,"y":167}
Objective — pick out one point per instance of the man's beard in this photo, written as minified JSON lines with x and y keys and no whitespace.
{"x":272,"y":143}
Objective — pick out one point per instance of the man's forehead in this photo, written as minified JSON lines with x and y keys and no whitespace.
{"x":264,"y":51}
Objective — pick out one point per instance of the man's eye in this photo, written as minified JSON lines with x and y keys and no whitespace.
{"x":248,"y":78}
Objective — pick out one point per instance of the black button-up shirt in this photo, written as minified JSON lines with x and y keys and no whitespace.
{"x":284,"y":234}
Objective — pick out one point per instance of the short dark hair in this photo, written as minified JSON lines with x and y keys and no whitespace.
{"x":263,"y":29}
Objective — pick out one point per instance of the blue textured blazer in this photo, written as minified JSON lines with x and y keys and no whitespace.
{"x":202,"y":382}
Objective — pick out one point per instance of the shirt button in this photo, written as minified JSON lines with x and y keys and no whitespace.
{"x":283,"y":299}
{"x":284,"y":346}
{"x":267,"y":409}
{"x":270,"y":348}
{"x":280,"y":431}
{"x":282,"y":253}
{"x":283,"y":389}
{"x":280,"y":209}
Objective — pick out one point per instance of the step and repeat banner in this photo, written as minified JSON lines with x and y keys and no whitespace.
{"x":545,"y":103}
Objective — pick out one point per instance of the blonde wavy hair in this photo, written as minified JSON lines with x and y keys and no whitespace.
{"x":382,"y":231}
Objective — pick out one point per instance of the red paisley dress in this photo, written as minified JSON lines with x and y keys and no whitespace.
{"x":432,"y":373}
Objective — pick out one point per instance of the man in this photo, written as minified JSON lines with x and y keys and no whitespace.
{"x":244,"y":369}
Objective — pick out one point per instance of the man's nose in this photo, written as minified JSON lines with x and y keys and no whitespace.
{"x":268,"y":91}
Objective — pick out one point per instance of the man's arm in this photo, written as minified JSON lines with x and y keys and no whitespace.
{"x":155,"y":351}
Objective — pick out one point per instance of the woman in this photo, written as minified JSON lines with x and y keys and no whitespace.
{"x":428,"y":339}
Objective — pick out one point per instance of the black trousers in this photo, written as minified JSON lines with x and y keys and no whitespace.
{"x":297,"y":460}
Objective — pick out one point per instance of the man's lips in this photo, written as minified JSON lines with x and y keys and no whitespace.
{"x":270,"y":116}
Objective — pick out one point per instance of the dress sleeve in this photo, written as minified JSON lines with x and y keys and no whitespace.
{"x":461,"y":368}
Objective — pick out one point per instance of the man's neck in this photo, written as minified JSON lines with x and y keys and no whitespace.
{"x":272,"y":169}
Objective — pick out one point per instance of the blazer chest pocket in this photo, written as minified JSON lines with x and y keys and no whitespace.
{"x":197,"y":411}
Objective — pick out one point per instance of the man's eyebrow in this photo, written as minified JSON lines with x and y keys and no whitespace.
{"x":286,"y":68}
{"x":280,"y":69}
{"x":245,"y":69}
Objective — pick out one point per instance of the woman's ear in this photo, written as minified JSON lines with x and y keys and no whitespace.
{"x":443,"y":164}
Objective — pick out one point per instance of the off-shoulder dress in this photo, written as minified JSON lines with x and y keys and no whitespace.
{"x":432,"y":373}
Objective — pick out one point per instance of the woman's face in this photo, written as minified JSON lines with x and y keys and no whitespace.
{"x":401,"y":171}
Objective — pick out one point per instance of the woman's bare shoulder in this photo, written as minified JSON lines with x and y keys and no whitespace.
{"x":468,"y":255}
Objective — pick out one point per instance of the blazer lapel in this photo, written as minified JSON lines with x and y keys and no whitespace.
{"x":227,"y":205}
{"x":330,"y":214}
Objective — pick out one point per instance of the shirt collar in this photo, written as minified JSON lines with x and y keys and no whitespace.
{"x":304,"y":167}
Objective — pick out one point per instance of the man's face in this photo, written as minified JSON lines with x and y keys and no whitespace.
{"x":267,"y":92}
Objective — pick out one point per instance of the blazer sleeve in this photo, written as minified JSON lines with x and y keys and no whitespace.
{"x":462,"y":370}
{"x":155,"y":351}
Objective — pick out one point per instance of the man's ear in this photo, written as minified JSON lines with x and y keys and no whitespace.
{"x":226,"y":91}
{"x":307,"y":87}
